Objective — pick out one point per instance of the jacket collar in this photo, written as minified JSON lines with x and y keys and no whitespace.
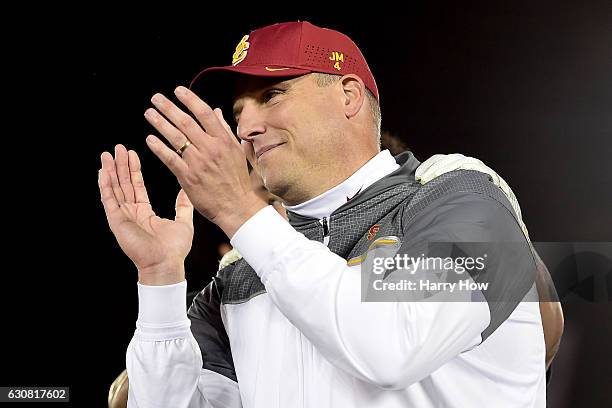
{"x":404,"y":174}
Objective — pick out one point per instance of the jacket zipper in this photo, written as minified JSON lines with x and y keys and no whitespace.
{"x":325,"y":227}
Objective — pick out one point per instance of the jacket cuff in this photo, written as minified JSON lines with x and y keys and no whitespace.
{"x":161,"y":311}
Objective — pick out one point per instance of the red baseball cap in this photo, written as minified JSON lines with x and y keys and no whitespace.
{"x":287,"y":50}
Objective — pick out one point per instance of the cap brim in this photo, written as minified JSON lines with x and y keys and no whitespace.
{"x":215,"y":85}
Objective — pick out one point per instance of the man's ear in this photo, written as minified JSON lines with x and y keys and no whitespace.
{"x":353,"y":94}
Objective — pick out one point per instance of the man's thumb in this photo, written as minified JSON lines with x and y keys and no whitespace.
{"x":184,"y":208}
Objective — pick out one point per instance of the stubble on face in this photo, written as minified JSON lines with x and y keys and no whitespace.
{"x":301,"y":116}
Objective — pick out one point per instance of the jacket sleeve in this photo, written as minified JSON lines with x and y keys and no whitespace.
{"x":165,"y":361}
{"x":391,"y":344}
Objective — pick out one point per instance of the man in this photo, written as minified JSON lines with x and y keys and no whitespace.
{"x":287,"y":324}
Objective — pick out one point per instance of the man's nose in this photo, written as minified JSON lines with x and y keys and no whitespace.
{"x":250,"y":123}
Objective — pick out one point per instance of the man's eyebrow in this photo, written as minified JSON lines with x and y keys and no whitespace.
{"x":284,"y":85}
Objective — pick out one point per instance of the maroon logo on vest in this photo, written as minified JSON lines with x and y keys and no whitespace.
{"x":373,"y":230}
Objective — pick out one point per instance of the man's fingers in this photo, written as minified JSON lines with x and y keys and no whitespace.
{"x":140,"y":191}
{"x":106,"y":192}
{"x":180,"y":121}
{"x":111,"y":207}
{"x":203,"y":113}
{"x":173,"y":161}
{"x":227,"y":127}
{"x":219,"y":114}
{"x":174,"y":136}
{"x":108,"y":164}
{"x":123,"y":173}
{"x":247,"y":150}
{"x":184,"y":208}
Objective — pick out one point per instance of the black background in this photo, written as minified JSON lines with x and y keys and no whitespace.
{"x":524,"y":86}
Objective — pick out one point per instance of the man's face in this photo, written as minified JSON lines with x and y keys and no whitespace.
{"x":290,"y":132}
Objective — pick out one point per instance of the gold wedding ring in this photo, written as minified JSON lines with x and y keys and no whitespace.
{"x":185,"y":145}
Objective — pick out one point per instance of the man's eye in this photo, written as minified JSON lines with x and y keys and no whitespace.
{"x":269,"y":94}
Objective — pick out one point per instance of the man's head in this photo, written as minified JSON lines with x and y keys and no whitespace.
{"x":304,"y":138}
{"x":306,"y":107}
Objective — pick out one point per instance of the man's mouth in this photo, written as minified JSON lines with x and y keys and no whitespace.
{"x":265,"y":149}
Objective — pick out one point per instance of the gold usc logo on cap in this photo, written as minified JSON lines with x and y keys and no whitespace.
{"x":241,"y":51}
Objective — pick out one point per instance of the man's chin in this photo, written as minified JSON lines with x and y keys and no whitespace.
{"x":274,"y":183}
{"x":271,"y":170}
